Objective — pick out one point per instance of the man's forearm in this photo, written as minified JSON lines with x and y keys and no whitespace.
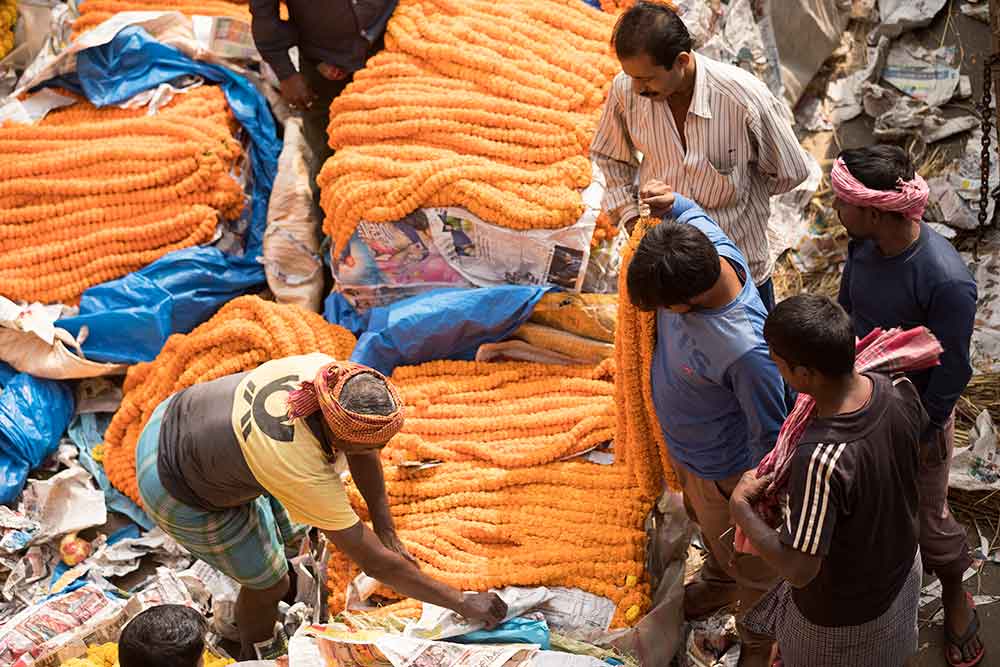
{"x":366,"y":470}
{"x":763,"y":538}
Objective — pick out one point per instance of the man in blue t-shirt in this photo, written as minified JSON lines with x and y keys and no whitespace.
{"x":719,"y":398}
{"x":901,"y":273}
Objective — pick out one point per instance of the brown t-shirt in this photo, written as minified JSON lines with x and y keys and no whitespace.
{"x":852,"y":499}
{"x":200,"y":462}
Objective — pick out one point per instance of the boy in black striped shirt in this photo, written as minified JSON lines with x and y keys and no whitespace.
{"x":847,"y":546}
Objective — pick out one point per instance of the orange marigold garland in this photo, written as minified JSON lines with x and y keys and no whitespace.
{"x":245,"y":333}
{"x":504,"y":508}
{"x":490,"y":106}
{"x":88,"y":195}
{"x":640,"y":442}
{"x":95,"y":12}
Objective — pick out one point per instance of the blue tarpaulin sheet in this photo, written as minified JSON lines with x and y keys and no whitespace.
{"x":443,"y":324}
{"x":129,"y":319}
{"x":34,"y":414}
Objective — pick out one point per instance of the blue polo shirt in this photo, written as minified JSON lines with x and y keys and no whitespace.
{"x":719,"y":397}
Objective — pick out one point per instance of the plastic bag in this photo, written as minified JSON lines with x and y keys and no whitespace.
{"x":443,"y":324}
{"x":515,"y":631}
{"x":291,"y":260}
{"x":34,"y":414}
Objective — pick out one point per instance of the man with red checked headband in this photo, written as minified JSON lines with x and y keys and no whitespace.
{"x":234,"y":469}
{"x":901,"y":273}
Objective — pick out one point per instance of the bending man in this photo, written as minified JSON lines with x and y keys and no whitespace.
{"x":219,"y":463}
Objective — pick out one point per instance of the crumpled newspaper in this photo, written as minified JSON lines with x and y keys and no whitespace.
{"x":16,"y":530}
{"x":64,"y":503}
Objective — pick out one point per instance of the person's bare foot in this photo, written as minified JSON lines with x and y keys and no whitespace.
{"x":756,"y":656}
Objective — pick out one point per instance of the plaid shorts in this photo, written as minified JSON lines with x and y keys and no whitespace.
{"x":887,"y":641}
{"x":245,"y":542}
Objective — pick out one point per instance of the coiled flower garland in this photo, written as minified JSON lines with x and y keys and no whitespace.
{"x":88,"y":195}
{"x":503,"y":508}
{"x":95,"y":12}
{"x":245,"y":333}
{"x":490,"y":106}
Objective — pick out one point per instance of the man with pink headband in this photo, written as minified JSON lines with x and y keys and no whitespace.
{"x":901,"y":273}
{"x":235,"y":468}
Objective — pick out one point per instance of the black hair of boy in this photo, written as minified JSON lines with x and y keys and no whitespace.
{"x":879,"y":167}
{"x":673,"y":264}
{"x":813,"y":332}
{"x":169,"y":635}
{"x":652,"y":29}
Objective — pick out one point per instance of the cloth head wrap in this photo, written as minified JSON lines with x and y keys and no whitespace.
{"x":910,"y":199}
{"x":350,"y":428}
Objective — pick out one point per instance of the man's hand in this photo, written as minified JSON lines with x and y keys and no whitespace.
{"x":659,"y":197}
{"x":297,"y":93}
{"x":390,"y":540}
{"x":485,"y":607}
{"x":750,"y":488}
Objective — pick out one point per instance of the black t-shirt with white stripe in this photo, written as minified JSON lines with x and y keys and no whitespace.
{"x":853,"y":500}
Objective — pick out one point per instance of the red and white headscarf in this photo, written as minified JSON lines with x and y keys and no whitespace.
{"x":910,"y":199}
{"x":350,"y":428}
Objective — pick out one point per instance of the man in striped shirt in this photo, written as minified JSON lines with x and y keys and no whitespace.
{"x":707,"y":130}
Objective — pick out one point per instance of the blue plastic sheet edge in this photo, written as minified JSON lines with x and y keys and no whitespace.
{"x":128,"y":320}
{"x":34,"y":413}
{"x":442,"y":324}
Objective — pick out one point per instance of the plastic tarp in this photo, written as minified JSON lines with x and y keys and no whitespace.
{"x":87,"y":432}
{"x":443,"y":324}
{"x":129,"y":319}
{"x":33,"y":416}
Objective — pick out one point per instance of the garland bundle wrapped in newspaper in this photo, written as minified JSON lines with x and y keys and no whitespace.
{"x":245,"y":333}
{"x":503,"y":507}
{"x":88,"y":195}
{"x":892,"y":351}
{"x":473,"y":103}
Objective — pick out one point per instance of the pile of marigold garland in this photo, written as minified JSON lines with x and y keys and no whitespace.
{"x":106,"y":655}
{"x":474,"y":103}
{"x":8,"y":17}
{"x":504,"y":508}
{"x":88,"y":195}
{"x":95,"y":12}
{"x":245,"y":333}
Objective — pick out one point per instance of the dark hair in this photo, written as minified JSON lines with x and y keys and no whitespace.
{"x":654,"y":29}
{"x":879,"y":167}
{"x":169,"y":635}
{"x":814,"y":332}
{"x":367,"y":394}
{"x":673,"y":264}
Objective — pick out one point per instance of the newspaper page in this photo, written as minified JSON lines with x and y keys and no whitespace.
{"x":34,"y":637}
{"x":451,"y":247}
{"x":337,"y":646}
{"x":576,"y":612}
{"x":226,"y":37}
{"x":65,"y":503}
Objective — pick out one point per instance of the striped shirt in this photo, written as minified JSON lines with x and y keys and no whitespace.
{"x":853,"y":492}
{"x":741,"y":150}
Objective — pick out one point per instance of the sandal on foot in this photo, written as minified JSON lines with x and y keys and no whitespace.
{"x":959,"y":643}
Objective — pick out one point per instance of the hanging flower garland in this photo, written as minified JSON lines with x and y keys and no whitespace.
{"x":245,"y":333}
